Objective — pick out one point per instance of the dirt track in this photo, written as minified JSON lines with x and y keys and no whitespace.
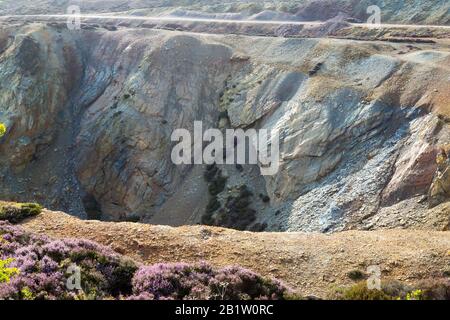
{"x":204,"y":20}
{"x":313,"y":263}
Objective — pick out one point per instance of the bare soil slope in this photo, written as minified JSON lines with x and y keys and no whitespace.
{"x":313,"y":263}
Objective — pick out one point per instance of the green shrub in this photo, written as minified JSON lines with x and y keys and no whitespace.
{"x":2,"y":129}
{"x":356,"y":275}
{"x":431,"y":289}
{"x":246,"y":218}
{"x":360,"y":291}
{"x":245,"y":192}
{"x":135,"y":218}
{"x":294,"y":296}
{"x":207,"y":219}
{"x":217,"y":185}
{"x":396,"y":289}
{"x":26,"y":294}
{"x":210,"y":173}
{"x":259,"y":227}
{"x":121,"y":277}
{"x":17,"y":212}
{"x":415,"y":295}
{"x":223,"y":114}
{"x":5,"y":272}
{"x":264,"y":198}
{"x":236,"y":214}
{"x":434,"y":289}
{"x":213,"y":205}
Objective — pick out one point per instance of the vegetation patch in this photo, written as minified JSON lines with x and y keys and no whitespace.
{"x":259,"y":227}
{"x":182,"y":281}
{"x":435,"y":289}
{"x":5,"y":272}
{"x":356,"y":275}
{"x":238,"y":215}
{"x":17,"y":212}
{"x":134,"y":218}
{"x":2,"y":129}
{"x":264,"y":198}
{"x":216,"y":184}
{"x":237,"y":212}
{"x":37,"y":267}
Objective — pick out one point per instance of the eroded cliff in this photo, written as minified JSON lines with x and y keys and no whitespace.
{"x":89,"y":115}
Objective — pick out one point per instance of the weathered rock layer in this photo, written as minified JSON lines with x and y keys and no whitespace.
{"x":90,"y":113}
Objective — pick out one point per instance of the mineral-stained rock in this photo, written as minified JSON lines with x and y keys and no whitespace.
{"x":440,"y":188}
{"x":90,"y":115}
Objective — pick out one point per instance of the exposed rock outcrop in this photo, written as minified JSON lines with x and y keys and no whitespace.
{"x":90,"y":113}
{"x":440,"y":188}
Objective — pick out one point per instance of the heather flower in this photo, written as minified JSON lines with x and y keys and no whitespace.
{"x":182,"y":281}
{"x":38,"y":269}
{"x":43,"y":263}
{"x":2,"y":129}
{"x":142,"y":296}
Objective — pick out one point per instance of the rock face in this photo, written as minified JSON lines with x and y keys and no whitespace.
{"x":125,"y":135}
{"x":90,"y":114}
{"x":440,"y":188}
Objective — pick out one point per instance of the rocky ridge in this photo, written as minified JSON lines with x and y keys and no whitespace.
{"x":312,"y":263}
{"x":394,"y":11}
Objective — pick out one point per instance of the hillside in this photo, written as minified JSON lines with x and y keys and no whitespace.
{"x":352,"y":117}
{"x":312,"y":263}
{"x":361,"y":126}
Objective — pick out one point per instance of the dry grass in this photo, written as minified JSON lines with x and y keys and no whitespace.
{"x":314,"y":263}
{"x":17,"y":212}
